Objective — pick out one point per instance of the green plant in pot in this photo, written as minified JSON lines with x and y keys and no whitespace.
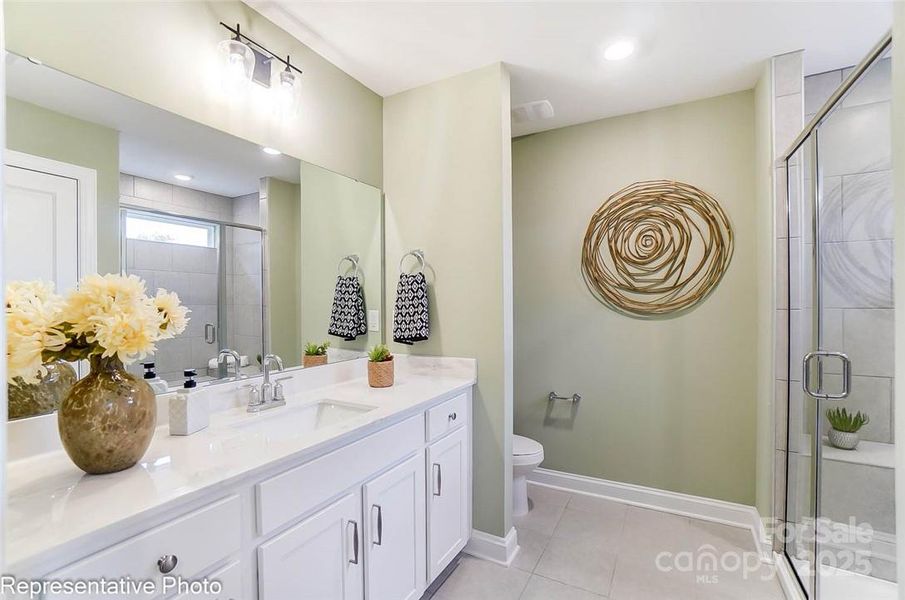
{"x":315,"y":354}
{"x":106,"y":420}
{"x":380,"y":366}
{"x":844,"y":427}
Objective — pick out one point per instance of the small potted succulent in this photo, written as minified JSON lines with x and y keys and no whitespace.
{"x":845,"y":426}
{"x":380,"y":366}
{"x":315,"y":354}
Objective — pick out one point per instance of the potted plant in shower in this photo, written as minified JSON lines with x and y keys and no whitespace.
{"x":380,"y":367}
{"x":844,"y":427}
{"x":107,"y":419}
{"x":315,"y":354}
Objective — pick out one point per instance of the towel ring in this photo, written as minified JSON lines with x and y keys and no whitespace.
{"x":418,"y":254}
{"x":352,"y":258}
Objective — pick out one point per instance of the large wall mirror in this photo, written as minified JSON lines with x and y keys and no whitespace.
{"x":254,"y":242}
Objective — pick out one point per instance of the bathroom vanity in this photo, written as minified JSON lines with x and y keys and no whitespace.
{"x":346,"y":492}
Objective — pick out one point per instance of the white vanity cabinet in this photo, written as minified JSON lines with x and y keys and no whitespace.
{"x":377,"y":517}
{"x":449,"y":492}
{"x":395,"y":543}
{"x":321,"y":557}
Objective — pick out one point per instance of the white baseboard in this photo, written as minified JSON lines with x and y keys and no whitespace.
{"x":707,"y":509}
{"x":787,"y":579}
{"x":501,"y":550}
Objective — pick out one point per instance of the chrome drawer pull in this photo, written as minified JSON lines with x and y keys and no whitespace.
{"x":354,"y":524}
{"x":379,"y":540}
{"x":438,"y":479}
{"x":167,"y":563}
{"x":452,"y":416}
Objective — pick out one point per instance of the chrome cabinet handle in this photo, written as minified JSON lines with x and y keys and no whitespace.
{"x":554,"y":396}
{"x":167,"y":563}
{"x":819,"y":393}
{"x":354,"y":524}
{"x":379,"y":540}
{"x":452,"y":416}
{"x":439,"y":479}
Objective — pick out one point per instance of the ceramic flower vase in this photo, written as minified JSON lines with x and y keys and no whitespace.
{"x":844,"y":440}
{"x":107,"y":420}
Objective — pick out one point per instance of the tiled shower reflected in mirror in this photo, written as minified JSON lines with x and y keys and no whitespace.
{"x":180,"y":239}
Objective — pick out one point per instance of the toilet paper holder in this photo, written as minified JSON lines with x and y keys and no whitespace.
{"x":573,"y":398}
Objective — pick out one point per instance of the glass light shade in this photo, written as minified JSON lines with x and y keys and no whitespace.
{"x":288,"y":85}
{"x":238,"y":63}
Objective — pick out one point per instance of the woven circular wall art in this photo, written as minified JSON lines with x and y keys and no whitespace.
{"x":655,"y":248}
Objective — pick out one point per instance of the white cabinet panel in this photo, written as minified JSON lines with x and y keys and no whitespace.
{"x":291,"y":494}
{"x":447,"y":510}
{"x":321,"y":557}
{"x":195,"y":542}
{"x":395,"y":525}
{"x":447,"y":417}
{"x":230,"y":580}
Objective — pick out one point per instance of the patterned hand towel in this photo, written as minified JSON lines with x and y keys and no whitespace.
{"x":410,"y":322}
{"x":347,"y":319}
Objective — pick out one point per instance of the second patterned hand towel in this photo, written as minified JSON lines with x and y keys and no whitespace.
{"x":410,"y":321}
{"x":347,"y":319}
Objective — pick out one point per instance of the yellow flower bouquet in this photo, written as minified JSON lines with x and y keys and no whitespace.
{"x":106,"y":315}
{"x":107,"y":419}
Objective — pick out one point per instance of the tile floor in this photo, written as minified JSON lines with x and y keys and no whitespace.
{"x":576,"y":547}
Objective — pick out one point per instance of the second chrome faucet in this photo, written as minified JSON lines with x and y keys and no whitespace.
{"x":270,"y":395}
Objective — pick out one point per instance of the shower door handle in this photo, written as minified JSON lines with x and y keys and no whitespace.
{"x":210,"y":333}
{"x":819,"y":393}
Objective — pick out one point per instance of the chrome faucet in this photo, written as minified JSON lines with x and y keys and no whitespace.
{"x":223,"y":358}
{"x":270,"y":394}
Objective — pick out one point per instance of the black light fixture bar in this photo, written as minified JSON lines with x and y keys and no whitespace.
{"x":242,"y":37}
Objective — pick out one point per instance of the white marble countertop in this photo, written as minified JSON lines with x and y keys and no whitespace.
{"x":51,"y":503}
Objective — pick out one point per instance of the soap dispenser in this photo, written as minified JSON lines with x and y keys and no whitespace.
{"x":157,"y":384}
{"x":189,"y":407}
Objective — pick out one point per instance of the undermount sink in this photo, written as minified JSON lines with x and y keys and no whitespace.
{"x":293,"y":421}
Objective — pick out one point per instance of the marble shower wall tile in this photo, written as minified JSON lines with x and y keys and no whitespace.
{"x":867,"y":206}
{"x":857,"y":274}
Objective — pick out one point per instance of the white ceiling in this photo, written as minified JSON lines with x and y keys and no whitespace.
{"x":686,"y":50}
{"x":153,"y":143}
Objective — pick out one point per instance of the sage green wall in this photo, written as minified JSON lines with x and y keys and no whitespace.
{"x":284,"y":248}
{"x":165,"y":53}
{"x":448,"y":189}
{"x":339,"y":216}
{"x":667,"y":403}
{"x":36,"y":130}
{"x":766,"y":306}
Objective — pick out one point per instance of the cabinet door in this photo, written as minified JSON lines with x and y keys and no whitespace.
{"x":395,"y":540}
{"x":321,"y":557}
{"x":447,"y":504}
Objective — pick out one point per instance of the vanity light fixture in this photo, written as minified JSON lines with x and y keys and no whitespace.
{"x":619,"y":50}
{"x":256,"y":63}
{"x":238,"y":61}
{"x":183,"y":177}
{"x":270,"y":151}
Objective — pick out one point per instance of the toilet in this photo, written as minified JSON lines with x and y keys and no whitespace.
{"x":527,"y":454}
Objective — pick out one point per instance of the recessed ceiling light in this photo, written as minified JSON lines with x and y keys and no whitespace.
{"x":271,"y":151}
{"x":182,"y":177}
{"x":619,"y":50}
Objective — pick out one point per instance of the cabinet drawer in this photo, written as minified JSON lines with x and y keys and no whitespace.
{"x":296,"y":492}
{"x":197,"y":540}
{"x":448,"y":416}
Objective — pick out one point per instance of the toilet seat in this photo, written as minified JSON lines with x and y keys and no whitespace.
{"x":526,"y":451}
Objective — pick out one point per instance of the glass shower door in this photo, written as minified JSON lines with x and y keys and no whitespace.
{"x":840,"y":502}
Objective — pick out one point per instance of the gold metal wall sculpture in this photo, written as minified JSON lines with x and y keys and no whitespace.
{"x":655,"y":248}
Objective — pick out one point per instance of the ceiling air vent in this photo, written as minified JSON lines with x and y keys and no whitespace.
{"x":532,"y":111}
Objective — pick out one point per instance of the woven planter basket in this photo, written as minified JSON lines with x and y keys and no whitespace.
{"x":380,"y":374}
{"x":314,"y":360}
